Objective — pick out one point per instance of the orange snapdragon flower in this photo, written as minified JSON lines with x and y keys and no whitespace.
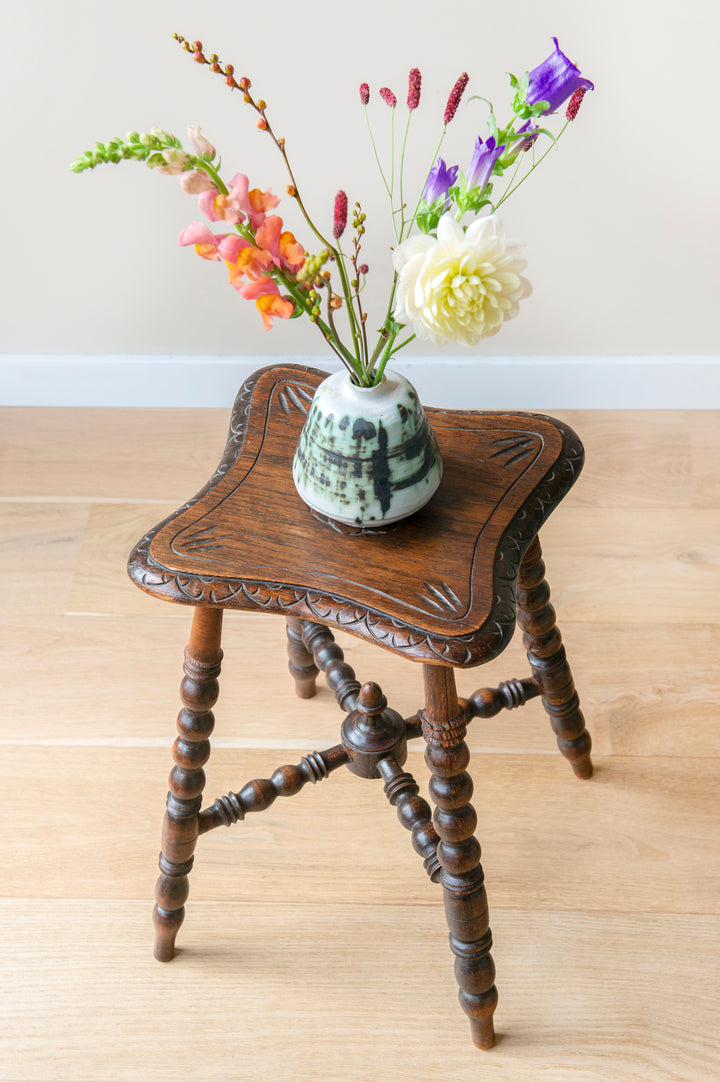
{"x":282,"y":246}
{"x":270,"y":306}
{"x":240,"y":204}
{"x":248,"y":267}
{"x":250,"y":259}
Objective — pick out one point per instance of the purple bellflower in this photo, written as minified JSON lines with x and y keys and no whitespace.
{"x":555,"y":80}
{"x":439,"y":181}
{"x":483,"y":161}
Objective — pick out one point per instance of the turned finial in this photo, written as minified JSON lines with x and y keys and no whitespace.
{"x":371,"y":700}
{"x":373,"y":731}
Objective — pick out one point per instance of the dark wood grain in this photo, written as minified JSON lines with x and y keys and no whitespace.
{"x":300,"y":661}
{"x":466,"y":907}
{"x":549,"y":663}
{"x":199,"y":691}
{"x":414,"y":813}
{"x":329,"y":658}
{"x":247,"y":541}
{"x":259,"y":794}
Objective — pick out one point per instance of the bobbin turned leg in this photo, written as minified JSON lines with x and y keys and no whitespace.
{"x":451,"y":787}
{"x":549,"y":664}
{"x":191,"y":750}
{"x":300,"y":660}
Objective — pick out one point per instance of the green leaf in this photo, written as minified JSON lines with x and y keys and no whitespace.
{"x":520,"y":108}
{"x":493,"y":128}
{"x":546,"y":131}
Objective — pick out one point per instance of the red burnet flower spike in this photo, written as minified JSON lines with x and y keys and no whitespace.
{"x":575,"y":102}
{"x":364,"y":93}
{"x":388,"y":97}
{"x":454,"y":100}
{"x":340,"y":215}
{"x":414,"y":82}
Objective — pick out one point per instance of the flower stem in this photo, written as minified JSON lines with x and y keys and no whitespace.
{"x":392,"y":157}
{"x":411,"y":222}
{"x":532,"y":168}
{"x":375,"y":152}
{"x":512,"y":181}
{"x":362,"y":319}
{"x":209,"y":168}
{"x":402,"y":174}
{"x":328,"y":333}
{"x":352,"y":320}
{"x":402,"y":345}
{"x":380,"y":370}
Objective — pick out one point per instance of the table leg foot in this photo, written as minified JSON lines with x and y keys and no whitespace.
{"x":167,"y":925}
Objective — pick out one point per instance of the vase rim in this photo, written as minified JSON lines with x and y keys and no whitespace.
{"x":357,"y":387}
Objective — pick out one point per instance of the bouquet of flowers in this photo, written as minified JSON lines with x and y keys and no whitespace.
{"x":454,"y":279}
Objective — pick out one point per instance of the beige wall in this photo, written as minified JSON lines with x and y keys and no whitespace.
{"x":621,"y":223}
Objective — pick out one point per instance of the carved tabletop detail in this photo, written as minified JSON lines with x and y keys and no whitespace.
{"x":437,"y":587}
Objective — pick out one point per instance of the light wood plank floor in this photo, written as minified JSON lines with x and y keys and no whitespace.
{"x":314,"y":947}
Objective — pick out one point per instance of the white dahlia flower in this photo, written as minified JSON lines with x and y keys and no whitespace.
{"x":462,"y":286}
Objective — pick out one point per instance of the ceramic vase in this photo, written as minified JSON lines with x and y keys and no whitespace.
{"x":367,"y":455}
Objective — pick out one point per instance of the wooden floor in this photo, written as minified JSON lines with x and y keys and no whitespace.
{"x":299,"y":964}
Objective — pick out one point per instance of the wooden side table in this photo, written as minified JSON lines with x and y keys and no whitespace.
{"x":440,"y":588}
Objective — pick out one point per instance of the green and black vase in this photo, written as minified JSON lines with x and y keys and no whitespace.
{"x":367,"y":455}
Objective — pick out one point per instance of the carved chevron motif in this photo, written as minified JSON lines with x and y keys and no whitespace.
{"x":297,"y":396}
{"x":513,"y":449}
{"x":205,"y":538}
{"x":444,"y":599}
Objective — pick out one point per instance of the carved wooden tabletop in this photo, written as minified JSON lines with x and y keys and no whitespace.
{"x":437,"y":587}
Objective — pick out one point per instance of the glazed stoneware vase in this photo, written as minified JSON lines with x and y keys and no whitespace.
{"x":367,"y":455}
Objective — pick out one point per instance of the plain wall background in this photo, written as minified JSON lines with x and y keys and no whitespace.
{"x":621,"y":222}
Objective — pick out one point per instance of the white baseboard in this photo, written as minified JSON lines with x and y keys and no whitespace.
{"x":534,"y":383}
